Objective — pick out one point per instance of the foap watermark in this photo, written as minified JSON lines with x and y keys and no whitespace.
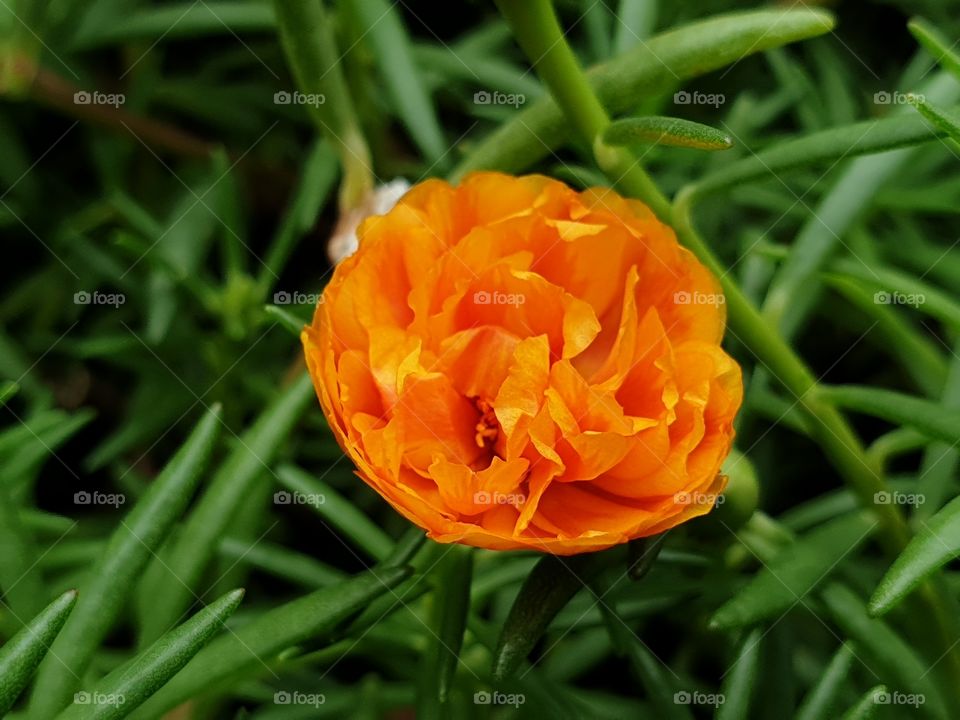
{"x":96,"y":497}
{"x":95,"y":297}
{"x":895,"y":497}
{"x":284,"y":697}
{"x":896,"y":98}
{"x":882,"y":297}
{"x":485,"y":97}
{"x":698,"y":498}
{"x":685,"y":97}
{"x":282,"y":297}
{"x":483,"y":697}
{"x":485,"y":497}
{"x":282,"y":497}
{"x":684,"y":297}
{"x":884,"y":697}
{"x":696,"y":697}
{"x":284,"y":97}
{"x":86,"y":97}
{"x":482,"y":297}
{"x":99,"y":698}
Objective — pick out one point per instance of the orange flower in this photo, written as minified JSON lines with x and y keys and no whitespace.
{"x":512,"y":364}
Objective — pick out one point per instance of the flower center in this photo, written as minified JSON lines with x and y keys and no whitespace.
{"x":487,"y":427}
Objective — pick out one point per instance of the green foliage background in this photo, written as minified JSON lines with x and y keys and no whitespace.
{"x":154,"y":400}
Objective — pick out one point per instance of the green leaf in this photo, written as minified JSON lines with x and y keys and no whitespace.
{"x":867,"y":706}
{"x":131,"y":546}
{"x":863,"y":138}
{"x":885,"y":652}
{"x":280,"y":562}
{"x":820,"y":702}
{"x":398,"y":71}
{"x":174,"y":583}
{"x":551,"y":584}
{"x":794,"y":290}
{"x":794,"y":572}
{"x":650,"y":68}
{"x":318,"y":173}
{"x":7,"y":391}
{"x":658,"y":679}
{"x":892,"y":333}
{"x":21,"y":655}
{"x":658,"y":130}
{"x":20,"y":581}
{"x":286,"y":319}
{"x":937,"y":44}
{"x":133,"y":682}
{"x":246,"y":650}
{"x":451,"y":605}
{"x":945,"y":121}
{"x":212,"y":17}
{"x":928,"y":417}
{"x":936,"y":544}
{"x":740,"y":679}
{"x":335,"y":509}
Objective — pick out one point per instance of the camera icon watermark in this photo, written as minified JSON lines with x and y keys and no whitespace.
{"x":284,"y":697}
{"x":884,"y":697}
{"x":895,"y":497}
{"x":282,"y":297}
{"x":483,"y":297}
{"x":883,"y":297}
{"x":485,"y":97}
{"x":684,"y":97}
{"x":484,"y":697}
{"x":284,"y":97}
{"x":95,"y":297}
{"x":83,"y":497}
{"x":97,"y":698}
{"x":485,"y":497}
{"x":685,"y":297}
{"x":282,"y":497}
{"x":896,"y":98}
{"x":684,"y":697}
{"x":698,"y":498}
{"x":95,"y":97}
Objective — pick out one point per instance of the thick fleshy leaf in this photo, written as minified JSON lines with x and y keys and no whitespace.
{"x":944,"y":120}
{"x":823,"y":147}
{"x":657,"y":130}
{"x":551,"y":584}
{"x":335,"y":509}
{"x":937,"y":44}
{"x":820,"y":702}
{"x":131,"y":546}
{"x":22,"y":653}
{"x":451,"y":605}
{"x":795,"y":571}
{"x":928,"y":417}
{"x":868,"y":706}
{"x":171,"y":585}
{"x":653,"y":66}
{"x":890,"y":657}
{"x":247,"y":650}
{"x":740,"y":679}
{"x":392,"y":49}
{"x":133,"y":682}
{"x":936,"y":544}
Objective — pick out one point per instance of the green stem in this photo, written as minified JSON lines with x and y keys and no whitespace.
{"x":311,"y":49}
{"x":537,"y":29}
{"x":539,"y":34}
